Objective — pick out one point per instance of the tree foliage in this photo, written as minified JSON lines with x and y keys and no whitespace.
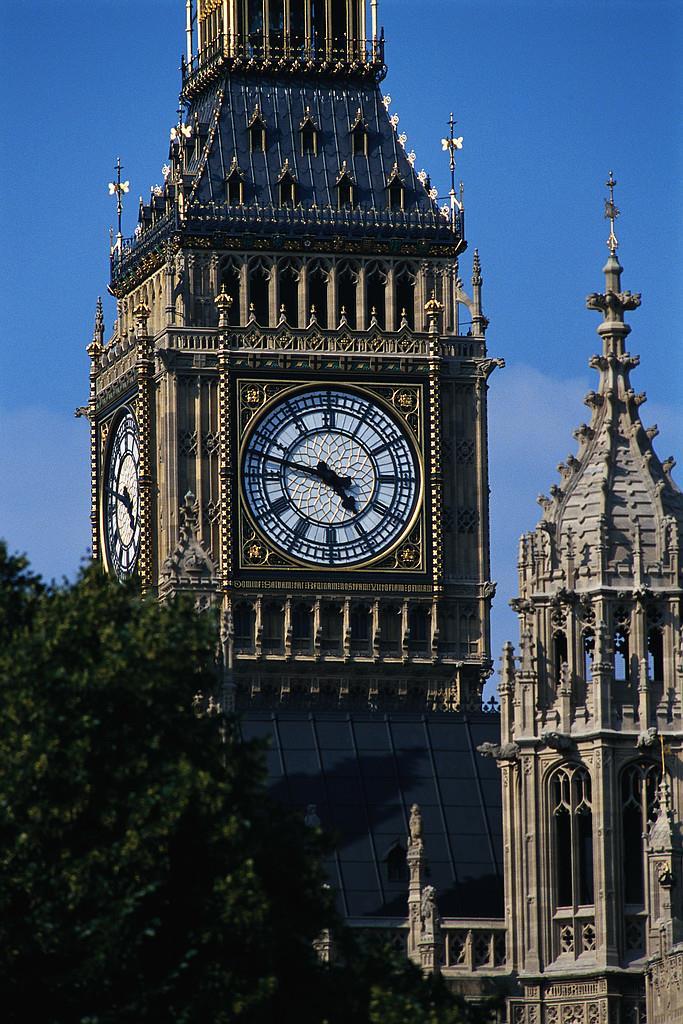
{"x":145,"y":874}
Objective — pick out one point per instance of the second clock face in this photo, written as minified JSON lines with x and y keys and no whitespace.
{"x":330,"y":477}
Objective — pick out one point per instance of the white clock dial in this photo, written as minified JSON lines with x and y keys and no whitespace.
{"x":330,"y":477}
{"x":122,"y":498}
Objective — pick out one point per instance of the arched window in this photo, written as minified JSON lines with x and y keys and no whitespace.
{"x":243,"y":619}
{"x":559,"y":654}
{"x":621,"y":654}
{"x":273,"y":627}
{"x":390,"y":630}
{"x":418,"y":623}
{"x":230,"y":283}
{"x":588,"y":646}
{"x":259,"y":292}
{"x":347,"y":282}
{"x":655,"y":655}
{"x":302,"y":628}
{"x":570,"y":801}
{"x":639,"y":784}
{"x":405,"y":295}
{"x":331,"y":628}
{"x":376,"y":280}
{"x":288,"y":281}
{"x":318,"y":278}
{"x":361,"y":629}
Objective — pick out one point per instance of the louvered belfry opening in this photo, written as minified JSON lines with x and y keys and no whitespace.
{"x":309,"y":30}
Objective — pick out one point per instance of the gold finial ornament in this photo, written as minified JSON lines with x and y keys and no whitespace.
{"x":611,"y":214}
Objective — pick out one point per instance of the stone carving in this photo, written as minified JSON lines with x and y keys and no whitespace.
{"x":557,"y":740}
{"x":190,"y":566}
{"x":500,"y":751}
{"x":647,"y":739}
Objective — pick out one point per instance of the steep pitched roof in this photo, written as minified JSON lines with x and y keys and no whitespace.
{"x":617,"y":516}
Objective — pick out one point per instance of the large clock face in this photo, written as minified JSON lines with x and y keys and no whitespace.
{"x":122,"y":498}
{"x":330,"y":477}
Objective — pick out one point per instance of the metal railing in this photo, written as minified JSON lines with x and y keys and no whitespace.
{"x":259,"y":51}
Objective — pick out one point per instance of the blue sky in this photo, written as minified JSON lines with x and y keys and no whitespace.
{"x":548,"y":94}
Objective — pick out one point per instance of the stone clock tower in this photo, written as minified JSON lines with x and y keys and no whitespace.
{"x":290,"y":416}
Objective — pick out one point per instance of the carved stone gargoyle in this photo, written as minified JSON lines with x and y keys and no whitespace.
{"x":500,"y":751}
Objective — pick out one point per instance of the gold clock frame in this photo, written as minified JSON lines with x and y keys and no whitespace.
{"x":255,"y":397}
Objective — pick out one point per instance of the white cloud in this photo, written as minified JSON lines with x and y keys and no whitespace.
{"x":531,"y":418}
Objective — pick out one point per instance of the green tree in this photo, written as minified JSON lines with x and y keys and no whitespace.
{"x":145,"y":874}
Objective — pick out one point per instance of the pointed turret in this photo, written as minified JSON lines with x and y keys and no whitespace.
{"x":600,"y":613}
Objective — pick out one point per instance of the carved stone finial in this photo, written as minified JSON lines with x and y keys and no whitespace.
{"x":190,"y":567}
{"x":223,"y":303}
{"x":477,"y":279}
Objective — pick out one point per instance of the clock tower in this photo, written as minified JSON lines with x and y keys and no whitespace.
{"x":290,"y":416}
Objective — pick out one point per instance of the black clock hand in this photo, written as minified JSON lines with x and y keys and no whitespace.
{"x":128,"y":505}
{"x":126,"y":501}
{"x":339,"y":485}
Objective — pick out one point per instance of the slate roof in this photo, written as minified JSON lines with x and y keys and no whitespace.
{"x":364,"y":770}
{"x":227,"y":107}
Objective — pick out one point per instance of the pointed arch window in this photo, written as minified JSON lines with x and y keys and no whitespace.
{"x":346,"y":189}
{"x":405,"y":277}
{"x":347,"y":286}
{"x":259,"y":292}
{"x":655,"y":654}
{"x":318,"y":282}
{"x":308,"y":133}
{"x":639,"y":785}
{"x":572,"y":813}
{"x":359,"y":135}
{"x":395,"y":190}
{"x":230,"y":279}
{"x":287,"y":186}
{"x":621,"y":654}
{"x":257,"y":132}
{"x":559,"y":653}
{"x":288,"y":283}
{"x":234,"y":184}
{"x":376,"y":282}
{"x":588,"y":647}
